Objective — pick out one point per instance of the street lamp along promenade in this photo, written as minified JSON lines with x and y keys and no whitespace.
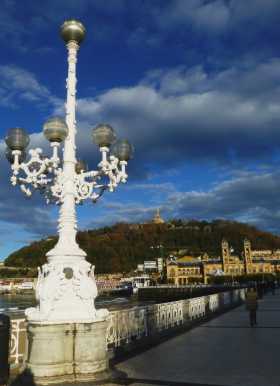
{"x":66,"y":287}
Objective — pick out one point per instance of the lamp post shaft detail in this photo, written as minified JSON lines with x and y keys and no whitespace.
{"x":70,"y":145}
{"x":67,"y":224}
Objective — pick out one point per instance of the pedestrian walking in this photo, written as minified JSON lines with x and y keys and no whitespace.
{"x":272,"y":287}
{"x":260,"y":290}
{"x":252,"y":305}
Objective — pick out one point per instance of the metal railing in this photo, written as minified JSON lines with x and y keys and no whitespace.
{"x":131,"y":325}
{"x":18,"y":341}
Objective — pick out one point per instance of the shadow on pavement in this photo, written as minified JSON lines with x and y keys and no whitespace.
{"x":141,"y":381}
{"x":24,"y":379}
{"x":251,"y":328}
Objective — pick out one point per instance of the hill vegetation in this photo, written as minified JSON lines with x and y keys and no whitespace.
{"x":121,"y":247}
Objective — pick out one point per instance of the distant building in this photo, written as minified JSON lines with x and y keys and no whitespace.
{"x":150,"y":265}
{"x":157,"y":219}
{"x":187,"y":268}
{"x":140,"y":267}
{"x":160,"y":264}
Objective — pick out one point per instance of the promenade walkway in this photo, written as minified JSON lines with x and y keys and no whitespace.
{"x":224,"y":351}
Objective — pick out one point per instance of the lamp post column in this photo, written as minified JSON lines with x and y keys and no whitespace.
{"x":66,"y":287}
{"x":67,"y":247}
{"x":67,"y":336}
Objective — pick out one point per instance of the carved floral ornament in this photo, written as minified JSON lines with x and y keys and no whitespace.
{"x":46,"y":173}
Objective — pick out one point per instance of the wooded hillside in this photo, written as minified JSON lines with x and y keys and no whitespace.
{"x":121,"y":247}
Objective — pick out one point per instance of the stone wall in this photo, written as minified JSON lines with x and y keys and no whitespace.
{"x":142,"y":326}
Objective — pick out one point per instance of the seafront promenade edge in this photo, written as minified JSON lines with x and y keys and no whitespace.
{"x":141,"y":327}
{"x":224,"y":351}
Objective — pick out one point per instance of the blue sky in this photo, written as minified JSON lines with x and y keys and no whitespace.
{"x":194,"y":84}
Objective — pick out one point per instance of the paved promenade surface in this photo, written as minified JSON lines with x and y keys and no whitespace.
{"x":224,"y":351}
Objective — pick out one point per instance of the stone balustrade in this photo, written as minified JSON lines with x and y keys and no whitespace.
{"x":132,"y":327}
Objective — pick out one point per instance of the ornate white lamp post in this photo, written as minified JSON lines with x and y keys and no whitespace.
{"x":66,"y":287}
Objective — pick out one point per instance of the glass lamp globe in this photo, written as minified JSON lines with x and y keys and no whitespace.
{"x":11,"y":158}
{"x":72,"y":30}
{"x":55,"y":129}
{"x":17,"y":139}
{"x":123,"y":150}
{"x":103,"y":135}
{"x":80,"y":166}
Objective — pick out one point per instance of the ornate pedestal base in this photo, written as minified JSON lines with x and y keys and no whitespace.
{"x":68,"y":352}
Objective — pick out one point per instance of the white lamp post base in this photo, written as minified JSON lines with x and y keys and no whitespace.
{"x":66,"y":291}
{"x":68,"y":352}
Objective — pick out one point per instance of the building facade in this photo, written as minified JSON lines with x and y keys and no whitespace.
{"x":190,"y":269}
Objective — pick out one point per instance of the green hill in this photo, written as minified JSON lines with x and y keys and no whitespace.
{"x":121,"y":247}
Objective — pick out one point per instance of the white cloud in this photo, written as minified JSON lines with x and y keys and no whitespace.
{"x":211,"y":16}
{"x":252,"y":197}
{"x":215,"y":16}
{"x":179,"y":114}
{"x":18,"y":84}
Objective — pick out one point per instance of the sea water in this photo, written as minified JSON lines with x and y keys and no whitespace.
{"x":11,"y":303}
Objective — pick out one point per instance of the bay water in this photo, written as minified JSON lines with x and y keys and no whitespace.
{"x":15,"y":303}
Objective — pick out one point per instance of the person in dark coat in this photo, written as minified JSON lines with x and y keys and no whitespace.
{"x":252,"y":306}
{"x":272,"y":287}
